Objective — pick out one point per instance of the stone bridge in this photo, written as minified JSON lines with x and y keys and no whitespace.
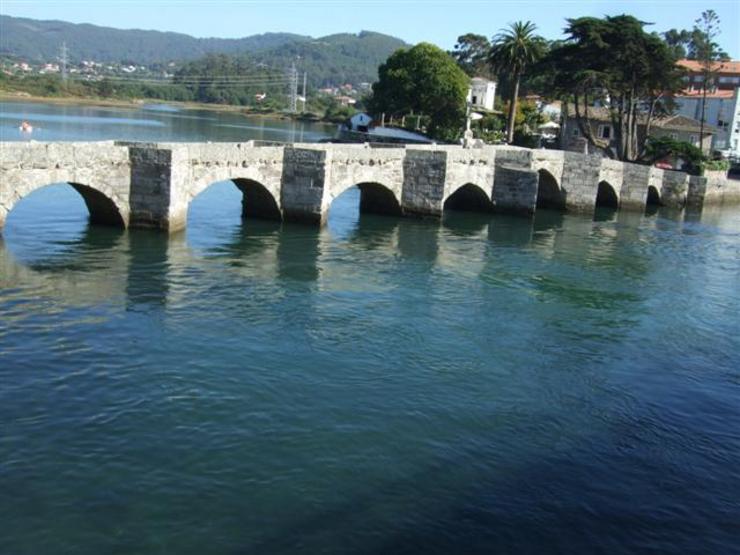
{"x":152,"y":185}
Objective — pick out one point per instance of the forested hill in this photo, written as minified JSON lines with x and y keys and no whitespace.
{"x":335,"y":59}
{"x":40,"y":41}
{"x":328,"y":60}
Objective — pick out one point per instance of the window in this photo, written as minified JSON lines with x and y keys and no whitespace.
{"x":694,"y":139}
{"x":475,"y":100}
{"x":605,"y":132}
{"x":674,"y":136}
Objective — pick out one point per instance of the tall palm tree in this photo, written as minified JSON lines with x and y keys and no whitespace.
{"x":512,"y":51}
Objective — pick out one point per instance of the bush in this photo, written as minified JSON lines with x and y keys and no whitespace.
{"x":716,"y":165}
{"x":526,"y":139}
{"x":660,"y":148}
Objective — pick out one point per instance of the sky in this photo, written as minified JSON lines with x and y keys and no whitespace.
{"x":437,"y":21}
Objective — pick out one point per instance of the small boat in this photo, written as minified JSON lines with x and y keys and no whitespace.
{"x":26,"y":127}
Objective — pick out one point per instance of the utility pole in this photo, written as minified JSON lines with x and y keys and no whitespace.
{"x":304,"y":92}
{"x":293,"y":88}
{"x":63,"y":60}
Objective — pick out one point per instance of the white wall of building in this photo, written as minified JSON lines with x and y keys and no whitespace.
{"x":482,"y":93}
{"x":721,"y":113}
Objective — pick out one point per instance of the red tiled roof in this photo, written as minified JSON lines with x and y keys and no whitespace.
{"x":719,"y":93}
{"x":731,"y":66}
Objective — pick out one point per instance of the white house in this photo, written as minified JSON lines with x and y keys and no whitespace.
{"x":722,"y":111}
{"x":481,"y":93}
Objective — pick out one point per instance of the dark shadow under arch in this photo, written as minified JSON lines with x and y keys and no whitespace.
{"x":653,"y":196}
{"x":549,"y":194}
{"x":376,"y":198}
{"x":606,"y":196}
{"x":257,"y":201}
{"x":469,"y":198}
{"x":103,"y":211}
{"x":652,"y":202}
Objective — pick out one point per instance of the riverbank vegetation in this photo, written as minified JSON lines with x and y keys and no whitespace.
{"x":198,"y":84}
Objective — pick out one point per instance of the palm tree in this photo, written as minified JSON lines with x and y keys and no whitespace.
{"x":512,"y":51}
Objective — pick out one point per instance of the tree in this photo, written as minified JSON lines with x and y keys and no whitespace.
{"x":513,"y":51}
{"x":678,"y":41}
{"x":629,"y":71}
{"x":708,"y":54}
{"x":423,"y":80}
{"x":471,"y":53}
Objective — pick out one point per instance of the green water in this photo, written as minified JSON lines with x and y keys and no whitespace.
{"x":483,"y":384}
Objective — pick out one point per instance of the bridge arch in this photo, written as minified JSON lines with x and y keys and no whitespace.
{"x":606,"y":196}
{"x":549,"y":193}
{"x":653,"y":196}
{"x":257,"y":200}
{"x":468,"y":197}
{"x":375,"y":198}
{"x":103,"y":206}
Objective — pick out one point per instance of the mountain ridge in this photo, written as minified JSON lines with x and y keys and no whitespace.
{"x":86,"y":41}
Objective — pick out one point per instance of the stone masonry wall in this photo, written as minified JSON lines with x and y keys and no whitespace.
{"x":302,"y":185}
{"x":424,"y":175}
{"x":151,"y":172}
{"x":580,"y":181}
{"x":634,"y":187}
{"x":515,"y":189}
{"x":674,"y":189}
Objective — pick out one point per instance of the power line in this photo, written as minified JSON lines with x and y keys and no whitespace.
{"x":304,"y":92}
{"x":293,"y":88}
{"x":195,"y":82}
{"x":63,"y":60}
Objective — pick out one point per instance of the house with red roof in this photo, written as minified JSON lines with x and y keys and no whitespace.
{"x":720,"y":105}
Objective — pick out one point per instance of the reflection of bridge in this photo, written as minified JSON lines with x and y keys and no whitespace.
{"x":152,"y":185}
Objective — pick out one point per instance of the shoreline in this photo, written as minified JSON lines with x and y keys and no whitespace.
{"x":140,"y":102}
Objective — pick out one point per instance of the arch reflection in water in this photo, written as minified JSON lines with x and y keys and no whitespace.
{"x":84,"y":271}
{"x":375,"y":233}
{"x":51,"y":228}
{"x":465,"y":223}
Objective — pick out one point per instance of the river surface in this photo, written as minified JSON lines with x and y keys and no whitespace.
{"x":483,"y":384}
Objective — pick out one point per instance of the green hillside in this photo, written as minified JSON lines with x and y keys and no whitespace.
{"x":330,"y":60}
{"x":39,"y":41}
